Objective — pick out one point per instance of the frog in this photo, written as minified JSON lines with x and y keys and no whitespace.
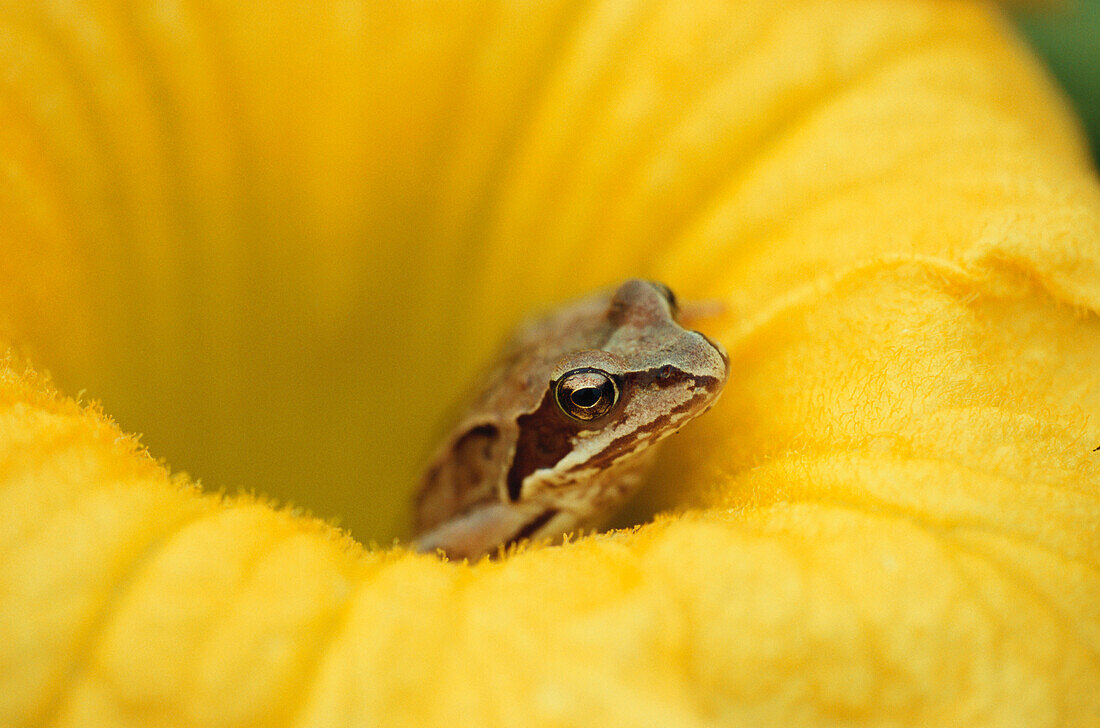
{"x":560,"y":433}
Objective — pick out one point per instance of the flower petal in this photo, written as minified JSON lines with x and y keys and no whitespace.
{"x":214,"y":215}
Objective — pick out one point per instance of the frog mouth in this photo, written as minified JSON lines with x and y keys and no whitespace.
{"x":532,"y":527}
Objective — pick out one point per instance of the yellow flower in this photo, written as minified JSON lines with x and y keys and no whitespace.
{"x":279,"y":237}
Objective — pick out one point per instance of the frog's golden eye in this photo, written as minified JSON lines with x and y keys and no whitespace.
{"x":586,"y":394}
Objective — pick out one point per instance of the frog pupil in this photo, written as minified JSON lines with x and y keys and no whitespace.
{"x":585,"y":397}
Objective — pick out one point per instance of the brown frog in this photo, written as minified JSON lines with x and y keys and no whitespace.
{"x":560,"y":434}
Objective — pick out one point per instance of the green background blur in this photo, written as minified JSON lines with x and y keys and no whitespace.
{"x":1069,"y":39}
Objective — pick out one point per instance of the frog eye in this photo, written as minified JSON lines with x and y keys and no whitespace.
{"x":667,"y":293}
{"x":586,"y":394}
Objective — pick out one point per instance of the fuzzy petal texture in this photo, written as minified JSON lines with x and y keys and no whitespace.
{"x":278,"y":238}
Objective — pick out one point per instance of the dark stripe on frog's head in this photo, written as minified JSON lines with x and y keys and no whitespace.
{"x":544,"y":439}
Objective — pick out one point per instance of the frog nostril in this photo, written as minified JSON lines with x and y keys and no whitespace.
{"x":717,"y":347}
